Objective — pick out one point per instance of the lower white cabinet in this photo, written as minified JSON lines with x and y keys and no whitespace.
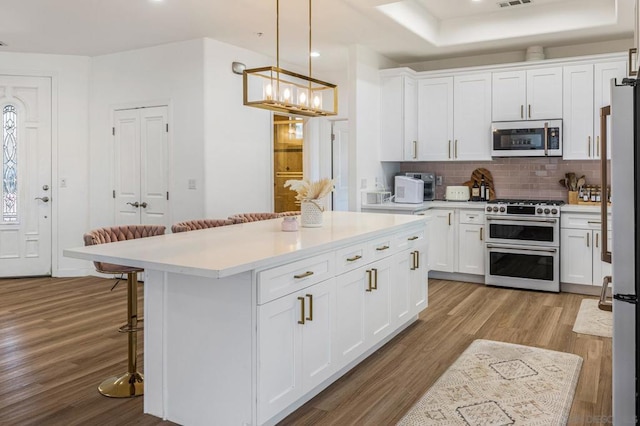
{"x":581,"y":245}
{"x":295,"y":335}
{"x":457,"y":237}
{"x":409,"y":292}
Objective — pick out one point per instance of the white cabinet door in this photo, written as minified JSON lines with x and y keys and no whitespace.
{"x":508,"y":95}
{"x":472,"y":117}
{"x":441,"y":249}
{"x":279,"y":355}
{"x":317,"y":334}
{"x":576,"y":256}
{"x":435,"y":115}
{"x":471,"y":249}
{"x":544,"y":93}
{"x":600,"y":269}
{"x":398,"y":118}
{"x":603,"y":74}
{"x":578,"y":113}
{"x":350,"y":315}
{"x":419,"y":278}
{"x":377,"y":310}
{"x":400,"y":295}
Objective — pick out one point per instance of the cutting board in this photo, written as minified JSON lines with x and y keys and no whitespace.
{"x":476,"y":176}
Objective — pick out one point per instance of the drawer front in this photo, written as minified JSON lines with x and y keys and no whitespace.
{"x":583,"y":221}
{"x":381,"y":248}
{"x":286,"y":279}
{"x":407,"y":240}
{"x":472,"y":217}
{"x":352,"y":257}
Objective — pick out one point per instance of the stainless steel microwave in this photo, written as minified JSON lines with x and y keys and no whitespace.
{"x":541,"y":138}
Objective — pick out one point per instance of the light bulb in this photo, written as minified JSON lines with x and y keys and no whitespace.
{"x":302,"y":98}
{"x":316,"y":101}
{"x":287,"y":94}
{"x":268,"y":92}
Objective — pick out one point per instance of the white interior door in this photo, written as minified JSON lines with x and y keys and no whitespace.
{"x":141,"y":166}
{"x":25,"y":221}
{"x":340,"y":165}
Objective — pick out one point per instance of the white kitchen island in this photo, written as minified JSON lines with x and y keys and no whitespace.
{"x":244,"y":323}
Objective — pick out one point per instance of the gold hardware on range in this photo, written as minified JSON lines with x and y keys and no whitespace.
{"x":306,"y":274}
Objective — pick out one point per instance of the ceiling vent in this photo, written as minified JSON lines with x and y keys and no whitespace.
{"x":513,"y":3}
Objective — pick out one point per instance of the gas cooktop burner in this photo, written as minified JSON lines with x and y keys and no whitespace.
{"x":515,"y":202}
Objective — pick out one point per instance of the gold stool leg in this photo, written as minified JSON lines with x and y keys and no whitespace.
{"x":130,"y":383}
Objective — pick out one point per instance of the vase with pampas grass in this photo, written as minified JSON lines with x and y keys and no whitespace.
{"x":309,"y":194}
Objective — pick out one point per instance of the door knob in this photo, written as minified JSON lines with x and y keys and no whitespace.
{"x":143,"y":204}
{"x":44,"y":199}
{"x":136,"y":204}
{"x":45,"y":187}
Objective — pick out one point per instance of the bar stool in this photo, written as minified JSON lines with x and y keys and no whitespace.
{"x":192,"y":225}
{"x":254,"y":217}
{"x":130,"y":383}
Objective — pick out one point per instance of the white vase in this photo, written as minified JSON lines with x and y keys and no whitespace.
{"x":311,"y":214}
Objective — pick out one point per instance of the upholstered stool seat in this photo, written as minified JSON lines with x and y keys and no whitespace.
{"x":192,"y":225}
{"x":130,"y":383}
{"x":254,"y":217}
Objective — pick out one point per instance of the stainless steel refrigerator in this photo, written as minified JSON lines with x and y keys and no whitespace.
{"x":624,"y":253}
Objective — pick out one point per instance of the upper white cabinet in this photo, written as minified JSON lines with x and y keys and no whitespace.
{"x":472,"y":117}
{"x":454,"y":116}
{"x":534,"y":94}
{"x":586,"y":89}
{"x":435,"y":120}
{"x":398,"y":118}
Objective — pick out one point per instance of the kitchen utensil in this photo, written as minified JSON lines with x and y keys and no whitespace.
{"x":581,"y":182}
{"x":564,"y":183}
{"x":572,"y":180}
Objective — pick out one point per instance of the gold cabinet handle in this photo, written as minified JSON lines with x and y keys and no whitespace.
{"x":529,"y":110}
{"x":301,"y":320}
{"x":588,"y":146}
{"x":306,"y":274}
{"x":587,"y":239}
{"x":455,"y":149}
{"x":415,"y":149}
{"x":521,"y":111}
{"x":375,"y":278}
{"x":597,"y":240}
{"x":415,"y":237}
{"x":598,"y":146}
{"x":449,"y":218}
{"x":310,"y":317}
{"x":449,"y":150}
{"x":369,"y":276}
{"x":413,"y":261}
{"x":417,"y":259}
{"x":382,"y":248}
{"x":481,"y":236}
{"x":354,"y":258}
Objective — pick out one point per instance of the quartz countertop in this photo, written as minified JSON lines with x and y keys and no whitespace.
{"x":232,"y":249}
{"x":426,"y":205}
{"x":582,"y":208}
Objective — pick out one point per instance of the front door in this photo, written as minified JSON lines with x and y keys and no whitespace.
{"x":141,"y":166}
{"x":25,"y":163}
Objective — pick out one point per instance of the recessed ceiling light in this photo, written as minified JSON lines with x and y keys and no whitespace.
{"x":314,"y":54}
{"x":2,"y":43}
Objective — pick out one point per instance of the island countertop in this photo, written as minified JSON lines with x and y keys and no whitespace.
{"x":229,"y":250}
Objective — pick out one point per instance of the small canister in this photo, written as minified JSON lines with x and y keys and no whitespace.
{"x":290,"y":223}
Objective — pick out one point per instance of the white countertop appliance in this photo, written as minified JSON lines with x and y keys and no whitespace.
{"x":408,"y":190}
{"x":429,"y":183}
{"x":457,"y":193}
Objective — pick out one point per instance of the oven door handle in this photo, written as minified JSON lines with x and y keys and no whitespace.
{"x":519,"y":219}
{"x":549,"y":250}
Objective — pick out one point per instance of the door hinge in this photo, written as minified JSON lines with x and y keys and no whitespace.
{"x":333,"y":137}
{"x":114,"y":193}
{"x":167,"y":195}
{"x":167,"y":127}
{"x":629,"y":298}
{"x":113,"y":131}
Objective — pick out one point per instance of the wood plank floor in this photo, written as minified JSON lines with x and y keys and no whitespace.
{"x":58,"y":340}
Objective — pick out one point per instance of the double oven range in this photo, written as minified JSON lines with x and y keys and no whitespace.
{"x":523,"y":244}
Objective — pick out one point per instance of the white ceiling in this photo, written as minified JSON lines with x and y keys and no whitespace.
{"x":405,"y":31}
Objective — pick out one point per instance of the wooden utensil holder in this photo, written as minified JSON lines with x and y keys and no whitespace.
{"x":573,"y":197}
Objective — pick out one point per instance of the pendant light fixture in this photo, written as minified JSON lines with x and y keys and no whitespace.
{"x":277,"y":89}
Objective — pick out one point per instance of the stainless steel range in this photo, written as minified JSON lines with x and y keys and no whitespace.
{"x":523,"y":244}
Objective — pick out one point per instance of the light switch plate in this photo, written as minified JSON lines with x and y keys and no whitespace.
{"x":192,"y":184}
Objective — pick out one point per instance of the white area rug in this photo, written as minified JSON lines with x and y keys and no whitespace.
{"x":496,"y":383}
{"x":591,"y":320}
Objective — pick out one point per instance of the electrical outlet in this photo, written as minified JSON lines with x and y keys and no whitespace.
{"x":63,"y":183}
{"x":439,"y":180}
{"x":192,"y":184}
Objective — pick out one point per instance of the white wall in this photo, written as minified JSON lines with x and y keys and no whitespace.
{"x":70,"y":132}
{"x":169,"y":74}
{"x":364,"y":121}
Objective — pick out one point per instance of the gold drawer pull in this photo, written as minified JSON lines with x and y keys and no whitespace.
{"x":354,"y":258}
{"x":382,"y":248}
{"x":306,"y":274}
{"x":415,"y":237}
